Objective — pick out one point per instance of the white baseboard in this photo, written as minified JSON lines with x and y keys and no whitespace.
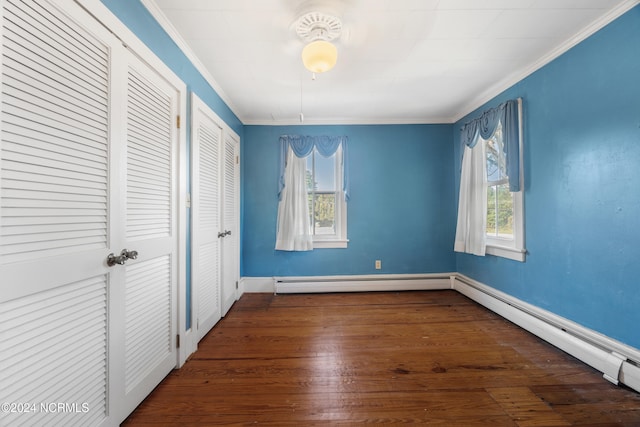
{"x":256,"y":284}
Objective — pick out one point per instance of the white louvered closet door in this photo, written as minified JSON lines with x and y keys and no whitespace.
{"x":148,"y":198}
{"x":205,"y":196}
{"x":88,"y":167}
{"x":55,"y":210}
{"x":231,"y":242}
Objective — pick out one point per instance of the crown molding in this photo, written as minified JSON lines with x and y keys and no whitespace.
{"x":349,"y":121}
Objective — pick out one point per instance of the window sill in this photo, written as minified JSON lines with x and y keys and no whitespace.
{"x":329,"y":244}
{"x":506,"y":252}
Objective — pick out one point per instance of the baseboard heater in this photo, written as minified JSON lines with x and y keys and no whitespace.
{"x":619,"y":363}
{"x":374,"y":282}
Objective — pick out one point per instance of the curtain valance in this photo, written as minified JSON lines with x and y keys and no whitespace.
{"x":302,"y":146}
{"x":485,"y":125}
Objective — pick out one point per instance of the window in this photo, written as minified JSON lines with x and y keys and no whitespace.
{"x":504,"y":226}
{"x":313,"y":188}
{"x":490,"y":205}
{"x":327,"y":208}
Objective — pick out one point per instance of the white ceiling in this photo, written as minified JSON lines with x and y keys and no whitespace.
{"x":399,"y":61}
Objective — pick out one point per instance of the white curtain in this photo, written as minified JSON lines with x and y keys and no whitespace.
{"x":472,"y":203}
{"x":294,"y":230}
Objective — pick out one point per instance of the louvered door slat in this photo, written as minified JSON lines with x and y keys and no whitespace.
{"x":24,"y":74}
{"x":32,"y":92}
{"x":34,"y":158}
{"x":55,"y":40}
{"x":36,"y":131}
{"x":83,"y":144}
{"x":152,"y":166}
{"x":209,"y":177}
{"x":149,"y":113}
{"x":145,"y":145}
{"x":147,"y":317}
{"x":51,"y":22}
{"x":57,"y":67}
{"x":141,"y":183}
{"x":209,"y":284}
{"x":66,"y":354}
{"x":46,"y":111}
{"x":23,"y":145}
{"x":142,"y":89}
{"x":46,"y":228}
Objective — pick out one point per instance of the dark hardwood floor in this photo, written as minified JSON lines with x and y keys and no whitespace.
{"x":431,"y":357}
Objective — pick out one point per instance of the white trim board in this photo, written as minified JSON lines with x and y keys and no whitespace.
{"x":619,"y":363}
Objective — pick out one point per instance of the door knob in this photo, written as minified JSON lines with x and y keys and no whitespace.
{"x":113,"y":259}
{"x":129,"y":254}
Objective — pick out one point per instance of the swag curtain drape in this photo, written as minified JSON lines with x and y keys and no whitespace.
{"x":472,"y":201}
{"x":294,"y":231}
{"x":485,"y":125}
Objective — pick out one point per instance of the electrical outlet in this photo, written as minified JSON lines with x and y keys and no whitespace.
{"x":378,"y":264}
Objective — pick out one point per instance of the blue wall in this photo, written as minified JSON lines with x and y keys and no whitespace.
{"x":401,"y":209}
{"x":582,"y":180}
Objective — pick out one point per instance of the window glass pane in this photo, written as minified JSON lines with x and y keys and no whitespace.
{"x":309,"y":172}
{"x":324,"y":215}
{"x":325,"y":174}
{"x":496,"y":160}
{"x":500,"y":211}
{"x":321,"y":186}
{"x":491,"y":211}
{"x":505,"y":211}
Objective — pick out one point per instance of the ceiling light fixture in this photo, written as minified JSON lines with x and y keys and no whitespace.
{"x":318,"y":29}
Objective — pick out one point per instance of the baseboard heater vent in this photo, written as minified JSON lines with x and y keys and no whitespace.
{"x":618,"y":362}
{"x":374,"y":282}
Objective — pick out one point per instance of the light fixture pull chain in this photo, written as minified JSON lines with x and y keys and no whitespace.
{"x":301,"y":115}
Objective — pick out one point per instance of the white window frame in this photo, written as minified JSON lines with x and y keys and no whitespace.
{"x":512,"y":248}
{"x":339,"y":239}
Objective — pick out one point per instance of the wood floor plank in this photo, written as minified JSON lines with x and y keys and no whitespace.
{"x":431,"y":357}
{"x":526,"y":408}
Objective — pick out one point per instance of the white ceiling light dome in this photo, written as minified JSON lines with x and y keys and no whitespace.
{"x":319,"y":29}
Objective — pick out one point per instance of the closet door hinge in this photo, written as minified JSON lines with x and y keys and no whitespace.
{"x":236,"y":284}
{"x":178,"y":341}
{"x":178,"y":122}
